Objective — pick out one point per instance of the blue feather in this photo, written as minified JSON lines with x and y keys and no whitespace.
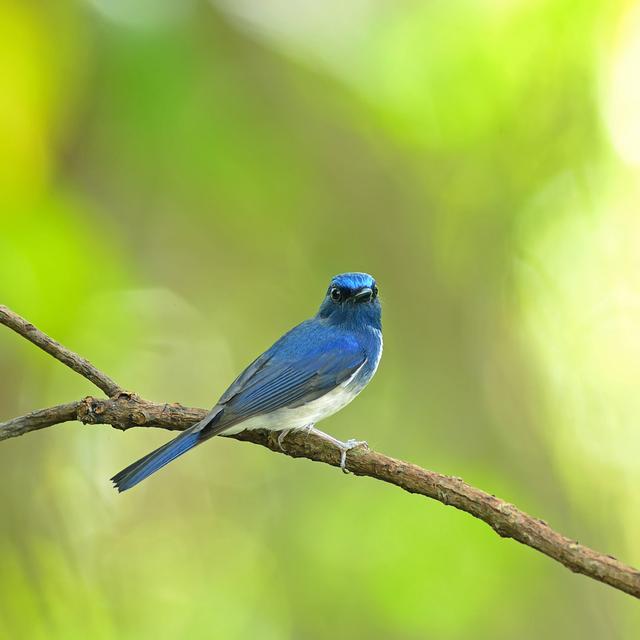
{"x":155,"y":460}
{"x":353,"y":280}
{"x":341,"y":344}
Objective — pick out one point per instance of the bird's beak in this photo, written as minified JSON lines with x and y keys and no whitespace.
{"x":364,"y":295}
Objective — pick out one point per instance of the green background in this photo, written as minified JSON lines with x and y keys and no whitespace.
{"x":178,"y":182}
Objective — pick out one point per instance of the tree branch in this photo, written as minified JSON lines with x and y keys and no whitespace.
{"x":125,"y":410}
{"x":39,"y":420}
{"x":55,"y":349}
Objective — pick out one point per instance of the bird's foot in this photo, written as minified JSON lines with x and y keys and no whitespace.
{"x":347,"y":446}
{"x":344,"y":447}
{"x":281,"y":436}
{"x":285,"y":432}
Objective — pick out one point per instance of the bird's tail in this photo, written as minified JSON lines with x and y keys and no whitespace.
{"x":162,"y":456}
{"x":155,"y":460}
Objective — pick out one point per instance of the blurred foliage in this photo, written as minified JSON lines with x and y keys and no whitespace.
{"x":178,"y":182}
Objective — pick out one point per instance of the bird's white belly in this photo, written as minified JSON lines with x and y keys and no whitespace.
{"x":302,"y":416}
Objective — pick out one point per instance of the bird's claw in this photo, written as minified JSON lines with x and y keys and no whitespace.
{"x":343,"y":447}
{"x":281,"y":436}
{"x":347,"y":446}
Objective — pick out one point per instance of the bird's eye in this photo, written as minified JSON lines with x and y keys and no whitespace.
{"x":335,"y":294}
{"x":375,"y":291}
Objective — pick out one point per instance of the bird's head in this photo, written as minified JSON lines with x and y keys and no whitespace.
{"x":352,"y":298}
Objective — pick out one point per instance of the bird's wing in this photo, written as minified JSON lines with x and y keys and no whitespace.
{"x":303,"y":365}
{"x":289,"y":377}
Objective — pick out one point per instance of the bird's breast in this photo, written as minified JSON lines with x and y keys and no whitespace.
{"x":306,"y":414}
{"x":324,"y":406}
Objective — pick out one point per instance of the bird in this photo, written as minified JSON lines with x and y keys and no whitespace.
{"x":310,"y":373}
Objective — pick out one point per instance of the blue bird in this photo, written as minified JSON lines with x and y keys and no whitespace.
{"x":310,"y":373}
